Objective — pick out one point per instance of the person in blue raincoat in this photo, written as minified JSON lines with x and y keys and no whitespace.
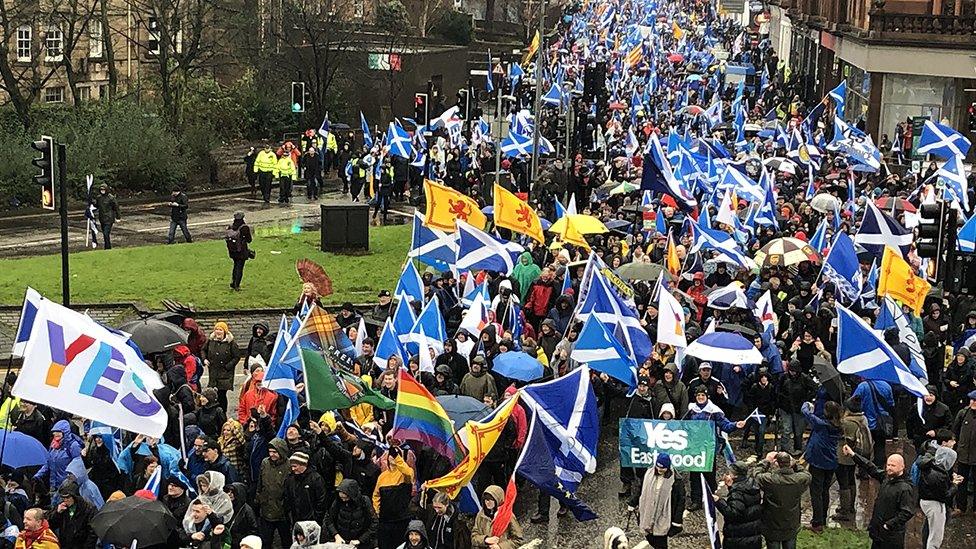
{"x":86,"y":488}
{"x":65,"y":446}
{"x":169,"y":457}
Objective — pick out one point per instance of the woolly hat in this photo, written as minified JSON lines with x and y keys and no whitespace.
{"x":300,"y":458}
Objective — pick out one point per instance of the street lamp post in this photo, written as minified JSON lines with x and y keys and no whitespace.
{"x":538,"y":93}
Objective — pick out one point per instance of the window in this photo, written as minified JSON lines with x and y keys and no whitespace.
{"x":95,"y":44}
{"x":84,"y":93}
{"x":54,"y":94}
{"x":53,"y":44}
{"x":153,"y":43}
{"x":24,"y":37}
{"x":103,"y":91}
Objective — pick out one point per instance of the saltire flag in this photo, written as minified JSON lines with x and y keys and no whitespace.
{"x":75,"y":364}
{"x":658,"y":176}
{"x":111,"y":437}
{"x":515,"y":73}
{"x":713,"y":114}
{"x":966,"y":240}
{"x":891,"y":316}
{"x":839,"y":97}
{"x":757,"y":416}
{"x":512,"y":213}
{"x":552,"y":97}
{"x":398,"y":141}
{"x":560,"y":446}
{"x":476,"y":317}
{"x":601,"y":351}
{"x":878,"y":230}
{"x":419,"y":416}
{"x":28,"y":313}
{"x":429,"y":328}
{"x":367,"y":134}
{"x":91,"y":238}
{"x":432,"y":246}
{"x":387,"y":346}
{"x":489,"y":85}
{"x":711,"y":518}
{"x":325,"y":127}
{"x":481,"y":437}
{"x":280,"y":375}
{"x":446,"y":205}
{"x":953,"y":175}
{"x":155,"y":479}
{"x":842,"y":267}
{"x":478,"y":250}
{"x":403,"y":320}
{"x":616,"y":315}
{"x":410,"y":284}
{"x":943,"y":141}
{"x":735,"y":179}
{"x":670,"y":321}
{"x":863,"y":352}
{"x":515,"y":144}
{"x":722,"y":242}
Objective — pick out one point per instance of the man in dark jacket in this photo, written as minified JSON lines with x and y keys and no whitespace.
{"x":270,"y":494}
{"x":641,"y":406}
{"x":935,"y":416}
{"x":243,"y":522}
{"x":304,"y":493}
{"x":33,"y":423}
{"x":71,"y":519}
{"x":795,"y":389}
{"x":783,"y":483}
{"x":742,"y":510}
{"x":895,"y":504}
{"x":217,"y":462}
{"x":259,"y":346}
{"x":178,"y":203}
{"x":237,"y":238}
{"x":964,"y":428}
{"x":351,"y":519}
{"x":175,"y":499}
{"x":446,"y":531}
{"x":108,"y":213}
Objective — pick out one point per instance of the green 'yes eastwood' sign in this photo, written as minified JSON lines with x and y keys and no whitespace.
{"x":691,"y":444}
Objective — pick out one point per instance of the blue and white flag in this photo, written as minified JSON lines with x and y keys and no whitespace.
{"x":839,"y":96}
{"x":722,"y":242}
{"x":953,"y":175}
{"x":892,"y":316}
{"x":489,"y":85}
{"x":479,"y":250}
{"x":878,"y":230}
{"x":398,"y":141}
{"x":387,"y":346}
{"x":758,"y":416}
{"x":410,"y":283}
{"x":403,"y":320}
{"x":599,"y":350}
{"x":155,"y":479}
{"x":325,"y":128}
{"x":27,"y":314}
{"x":856,"y":145}
{"x":515,"y":73}
{"x":842,"y":267}
{"x":966,"y":240}
{"x":863,"y":352}
{"x":714,"y":113}
{"x":711,"y":517}
{"x":565,"y":414}
{"x":367,"y":134}
{"x":615,"y":314}
{"x":515,"y":144}
{"x":429,"y":329}
{"x":658,"y":176}
{"x":819,"y":239}
{"x":554,"y":96}
{"x":477,"y":292}
{"x":281,"y":373}
{"x":432,"y":246}
{"x":743,"y":185}
{"x":111,"y":437}
{"x":943,"y":141}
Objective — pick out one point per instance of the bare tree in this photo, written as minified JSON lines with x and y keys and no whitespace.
{"x":108,"y":49}
{"x":430,"y":13}
{"x":392,"y":19}
{"x":72,"y":18}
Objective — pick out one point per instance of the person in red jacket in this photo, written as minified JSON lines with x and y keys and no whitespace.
{"x":256,"y":397}
{"x":541,"y":296}
{"x":181,"y":355}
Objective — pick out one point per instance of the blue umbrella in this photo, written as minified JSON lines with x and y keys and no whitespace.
{"x":726,"y":347}
{"x":517,"y":365}
{"x":462,"y":409}
{"x":488,"y":210}
{"x":22,"y":450}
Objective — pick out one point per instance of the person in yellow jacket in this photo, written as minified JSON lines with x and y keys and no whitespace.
{"x":286,"y":172}
{"x":331,"y":151}
{"x":264,"y":166}
{"x":393,"y":472}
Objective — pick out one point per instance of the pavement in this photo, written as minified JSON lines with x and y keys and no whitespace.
{"x":148,"y":223}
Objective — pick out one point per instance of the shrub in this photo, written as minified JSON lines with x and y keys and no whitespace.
{"x":455,"y":27}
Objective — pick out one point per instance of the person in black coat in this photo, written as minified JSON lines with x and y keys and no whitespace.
{"x":304,"y":491}
{"x":243,"y":522}
{"x":33,"y":423}
{"x":351,"y":517}
{"x":895,"y":504}
{"x":175,"y":499}
{"x":259,"y":346}
{"x":641,"y":406}
{"x":360,"y":466}
{"x":453,"y":359}
{"x":210,"y":416}
{"x":215,"y":461}
{"x":102,"y":469}
{"x":742,"y":510}
{"x":760,"y":394}
{"x":935,"y":416}
{"x":237,"y":248}
{"x":444,"y":529}
{"x":71,"y":519}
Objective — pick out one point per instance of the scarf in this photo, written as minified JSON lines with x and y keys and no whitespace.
{"x":33,"y":536}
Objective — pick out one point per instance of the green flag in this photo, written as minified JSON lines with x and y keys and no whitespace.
{"x":329,"y":388}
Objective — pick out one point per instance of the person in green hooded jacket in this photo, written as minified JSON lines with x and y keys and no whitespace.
{"x":524,"y":273}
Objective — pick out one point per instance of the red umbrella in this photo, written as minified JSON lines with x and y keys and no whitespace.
{"x":676,"y":58}
{"x":885,"y":203}
{"x":617,"y":106}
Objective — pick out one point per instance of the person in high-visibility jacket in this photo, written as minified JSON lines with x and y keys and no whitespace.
{"x":331,"y":151}
{"x":264,"y":166}
{"x":360,"y":168}
{"x":286,"y":172}
{"x":384,"y":189}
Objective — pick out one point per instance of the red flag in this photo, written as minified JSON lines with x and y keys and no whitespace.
{"x":503,"y":516}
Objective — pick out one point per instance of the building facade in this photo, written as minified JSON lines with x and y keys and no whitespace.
{"x":900,"y":59}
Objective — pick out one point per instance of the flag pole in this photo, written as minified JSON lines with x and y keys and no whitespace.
{"x":537,"y":104}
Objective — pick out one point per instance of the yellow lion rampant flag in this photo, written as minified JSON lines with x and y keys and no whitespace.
{"x":897,"y":280}
{"x":533,"y":47}
{"x":444,"y":205}
{"x":512,"y":213}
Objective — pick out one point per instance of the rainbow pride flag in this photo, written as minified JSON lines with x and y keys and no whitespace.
{"x":421,"y":418}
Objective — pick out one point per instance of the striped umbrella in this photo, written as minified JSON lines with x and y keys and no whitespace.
{"x":784,"y":252}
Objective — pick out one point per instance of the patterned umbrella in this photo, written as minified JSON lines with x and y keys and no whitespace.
{"x":887,"y":203}
{"x":784,"y":252}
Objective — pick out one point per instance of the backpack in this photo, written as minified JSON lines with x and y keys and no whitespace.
{"x":235,"y":244}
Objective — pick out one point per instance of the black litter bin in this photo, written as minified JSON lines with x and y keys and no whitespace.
{"x":345,"y":227}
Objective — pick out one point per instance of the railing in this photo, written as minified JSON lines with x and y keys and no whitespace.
{"x":946,"y":25}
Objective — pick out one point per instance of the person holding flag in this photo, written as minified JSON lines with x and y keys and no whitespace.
{"x":493,"y":528}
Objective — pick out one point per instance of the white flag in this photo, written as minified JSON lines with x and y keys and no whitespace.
{"x":74,"y":364}
{"x":670,"y":321}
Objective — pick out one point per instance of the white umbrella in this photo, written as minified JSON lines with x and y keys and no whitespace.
{"x":824,"y":203}
{"x":729,"y":296}
{"x":781,"y":164}
{"x":726,"y":347}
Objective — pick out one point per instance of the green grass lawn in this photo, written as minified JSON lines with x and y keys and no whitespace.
{"x":199,"y":273}
{"x":833,"y":538}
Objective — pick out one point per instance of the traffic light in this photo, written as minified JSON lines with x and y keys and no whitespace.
{"x":421,"y":109}
{"x":298,"y":97}
{"x":936,"y":235}
{"x":463,"y":103}
{"x":972,"y":117}
{"x":45,"y":163}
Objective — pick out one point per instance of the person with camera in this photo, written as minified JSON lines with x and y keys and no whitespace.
{"x":238,"y":237}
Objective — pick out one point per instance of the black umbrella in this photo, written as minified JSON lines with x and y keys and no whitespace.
{"x":131,"y":519}
{"x":172,"y":317}
{"x":153,"y":335}
{"x":743,"y":331}
{"x":829,"y":377}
